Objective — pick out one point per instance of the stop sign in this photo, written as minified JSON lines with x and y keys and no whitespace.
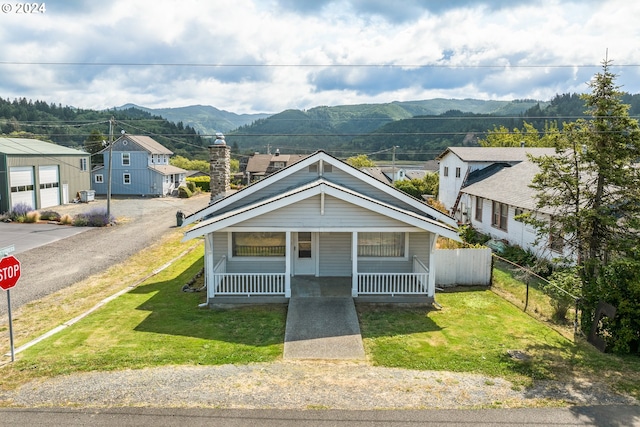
{"x":9,"y":272}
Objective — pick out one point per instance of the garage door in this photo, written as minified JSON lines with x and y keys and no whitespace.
{"x":21,"y":179}
{"x":49,"y":186}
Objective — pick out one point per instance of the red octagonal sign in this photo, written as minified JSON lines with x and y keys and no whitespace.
{"x":9,"y":272}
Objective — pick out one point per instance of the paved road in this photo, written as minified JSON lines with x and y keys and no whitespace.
{"x":604,"y":416}
{"x":55,"y":259}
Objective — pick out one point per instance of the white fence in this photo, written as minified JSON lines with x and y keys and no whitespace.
{"x":467,"y":266}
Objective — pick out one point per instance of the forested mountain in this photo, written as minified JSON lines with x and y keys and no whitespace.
{"x":205,"y":119}
{"x":419,"y":129}
{"x":85,"y":129}
{"x":355,"y":129}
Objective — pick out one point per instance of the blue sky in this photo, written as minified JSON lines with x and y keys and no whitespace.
{"x":250,"y":56}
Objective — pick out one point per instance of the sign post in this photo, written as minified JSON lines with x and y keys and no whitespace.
{"x":9,"y":275}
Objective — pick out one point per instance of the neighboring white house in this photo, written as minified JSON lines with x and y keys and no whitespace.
{"x":460,"y":166}
{"x":493,"y":194}
{"x":318,"y":217}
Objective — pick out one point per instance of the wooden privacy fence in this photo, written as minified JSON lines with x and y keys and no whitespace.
{"x":465,"y":266}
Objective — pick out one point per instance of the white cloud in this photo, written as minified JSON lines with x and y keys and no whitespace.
{"x":278,"y":54}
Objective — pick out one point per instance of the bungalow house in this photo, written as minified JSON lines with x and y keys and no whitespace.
{"x":318,"y":217}
{"x":495,"y":194}
{"x":258,"y":166}
{"x":40,"y":174}
{"x":140,"y":168}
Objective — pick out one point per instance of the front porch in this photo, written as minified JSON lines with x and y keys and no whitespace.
{"x":225,"y":287}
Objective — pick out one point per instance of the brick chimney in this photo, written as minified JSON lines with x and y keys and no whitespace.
{"x":219,"y":168}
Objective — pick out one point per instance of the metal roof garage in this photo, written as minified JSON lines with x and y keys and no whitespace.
{"x":40,"y":174}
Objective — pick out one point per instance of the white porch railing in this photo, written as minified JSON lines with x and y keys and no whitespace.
{"x":249,"y":284}
{"x":415,"y":283}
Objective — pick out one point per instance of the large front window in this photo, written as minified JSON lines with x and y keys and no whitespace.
{"x":258,"y":244}
{"x":381,"y":245}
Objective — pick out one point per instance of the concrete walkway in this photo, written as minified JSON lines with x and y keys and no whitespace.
{"x":322,"y":322}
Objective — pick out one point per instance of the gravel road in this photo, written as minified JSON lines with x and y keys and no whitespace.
{"x":55,"y":266}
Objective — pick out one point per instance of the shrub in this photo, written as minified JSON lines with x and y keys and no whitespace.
{"x":202,"y":182}
{"x":473,"y":236}
{"x":93,"y":218}
{"x":32,"y":216}
{"x":562,"y":285}
{"x":50,"y":216}
{"x":19,"y":212}
{"x":66,"y":219}
{"x":191,"y":186}
{"x":184,"y":192}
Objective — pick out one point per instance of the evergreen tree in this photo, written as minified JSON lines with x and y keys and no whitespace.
{"x":593,"y":187}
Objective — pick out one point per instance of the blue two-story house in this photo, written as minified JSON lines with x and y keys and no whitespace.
{"x":140,"y":168}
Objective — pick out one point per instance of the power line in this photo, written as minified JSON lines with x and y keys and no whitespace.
{"x":325,"y":65}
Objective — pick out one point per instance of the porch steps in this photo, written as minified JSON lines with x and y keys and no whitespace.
{"x":322,"y":327}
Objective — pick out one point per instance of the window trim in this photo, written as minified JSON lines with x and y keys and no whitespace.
{"x":403,"y":257}
{"x":479,"y":209}
{"x":98,"y":178}
{"x":445,"y":172}
{"x":124,"y":178}
{"x":500,"y":221}
{"x":83,"y":164}
{"x":458,"y":172}
{"x":231,"y":256}
{"x":128,"y":157}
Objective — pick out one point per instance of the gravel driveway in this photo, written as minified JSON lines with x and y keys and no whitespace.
{"x":47,"y":269}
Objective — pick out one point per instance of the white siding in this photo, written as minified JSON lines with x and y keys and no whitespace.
{"x":449,"y":186}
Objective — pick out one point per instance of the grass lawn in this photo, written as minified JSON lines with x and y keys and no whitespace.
{"x":156,"y":324}
{"x":472,"y":333}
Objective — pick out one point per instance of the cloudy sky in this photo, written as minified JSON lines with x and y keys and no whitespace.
{"x":250,"y":56}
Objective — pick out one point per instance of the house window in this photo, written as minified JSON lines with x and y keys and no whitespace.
{"x":126,"y":159}
{"x":126,"y":178}
{"x":517,"y":213}
{"x":313,"y":168}
{"x":83,"y":164}
{"x":99,"y":179}
{"x":446,"y":171}
{"x":245,"y":244}
{"x":379,"y":244}
{"x":479,"y":202}
{"x":457,"y":172}
{"x":556,"y":241}
{"x":327,"y":168}
{"x":499,"y":215}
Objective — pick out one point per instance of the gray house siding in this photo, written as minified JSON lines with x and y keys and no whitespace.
{"x":335,"y":254}
{"x":303,"y":176}
{"x":307,"y":214}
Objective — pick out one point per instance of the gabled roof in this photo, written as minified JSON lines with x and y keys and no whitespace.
{"x":319,"y":186}
{"x":517,"y":193}
{"x":259,"y":163}
{"x":263,"y":184}
{"x":35,"y":147}
{"x":496,"y":154}
{"x":146,"y":142}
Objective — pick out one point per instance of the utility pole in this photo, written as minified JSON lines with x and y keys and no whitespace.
{"x":393,"y":165}
{"x":111,"y":123}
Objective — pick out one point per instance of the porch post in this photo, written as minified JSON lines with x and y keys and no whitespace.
{"x":431,"y":287}
{"x":354,"y":264}
{"x":208,"y":265}
{"x":287,"y":265}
